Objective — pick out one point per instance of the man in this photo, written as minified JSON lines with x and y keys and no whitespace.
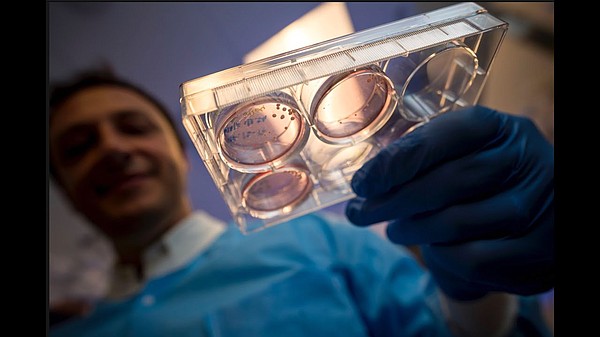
{"x":180,"y":272}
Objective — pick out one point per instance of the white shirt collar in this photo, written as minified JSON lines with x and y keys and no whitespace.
{"x":179,"y":245}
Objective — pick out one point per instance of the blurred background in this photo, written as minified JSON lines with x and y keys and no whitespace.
{"x":162,"y":44}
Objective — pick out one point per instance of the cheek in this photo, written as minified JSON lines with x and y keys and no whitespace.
{"x":180,"y":166}
{"x":176,"y":154}
{"x":73,"y":177}
{"x":169,"y":156}
{"x":183,"y":164}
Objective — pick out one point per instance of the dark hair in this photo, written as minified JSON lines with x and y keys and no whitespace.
{"x":61,"y":92}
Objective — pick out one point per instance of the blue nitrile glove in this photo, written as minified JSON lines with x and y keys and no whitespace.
{"x":474,"y":188}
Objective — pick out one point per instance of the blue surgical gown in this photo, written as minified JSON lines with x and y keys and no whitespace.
{"x":308,"y":277}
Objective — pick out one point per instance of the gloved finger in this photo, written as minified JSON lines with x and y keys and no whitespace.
{"x":521,"y":265}
{"x":426,"y":146}
{"x":522,"y":160}
{"x":472,"y":177}
{"x":505,"y":214}
{"x":514,"y":204}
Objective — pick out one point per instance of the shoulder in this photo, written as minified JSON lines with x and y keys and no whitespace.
{"x":319,"y":225}
{"x":315,"y":230}
{"x":333,"y":232}
{"x":316,"y":234}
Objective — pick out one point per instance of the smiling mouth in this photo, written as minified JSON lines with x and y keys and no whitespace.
{"x":123,"y":184}
{"x":130,"y":176}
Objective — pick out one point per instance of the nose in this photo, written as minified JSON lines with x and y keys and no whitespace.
{"x":114,"y":148}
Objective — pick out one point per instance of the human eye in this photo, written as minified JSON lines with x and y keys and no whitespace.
{"x":75,"y":144}
{"x":135,"y":123}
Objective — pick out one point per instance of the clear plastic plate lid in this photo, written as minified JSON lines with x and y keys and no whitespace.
{"x":312,"y":116}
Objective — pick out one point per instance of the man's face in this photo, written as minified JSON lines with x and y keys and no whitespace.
{"x":117,"y":158}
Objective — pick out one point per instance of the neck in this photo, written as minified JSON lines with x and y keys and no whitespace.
{"x":151,"y":228}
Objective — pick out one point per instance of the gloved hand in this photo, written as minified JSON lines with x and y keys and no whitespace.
{"x":474,"y":188}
